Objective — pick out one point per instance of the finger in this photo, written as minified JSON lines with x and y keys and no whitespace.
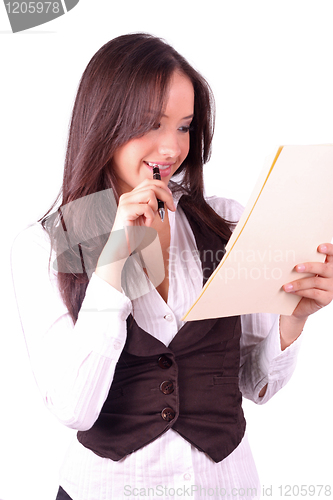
{"x":162,"y":191}
{"x":313,"y":282}
{"x":327,"y":248}
{"x":130,"y":214}
{"x":323,"y":269}
{"x":146,"y":196}
{"x":147,"y":183}
{"x":150,"y":194}
{"x":159,"y":186}
{"x":320,"y":297}
{"x":156,"y":182}
{"x":137,"y":210}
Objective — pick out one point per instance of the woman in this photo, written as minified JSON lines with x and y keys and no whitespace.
{"x":156,"y":402}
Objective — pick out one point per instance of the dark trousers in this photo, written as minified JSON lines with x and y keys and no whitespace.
{"x":62,"y":495}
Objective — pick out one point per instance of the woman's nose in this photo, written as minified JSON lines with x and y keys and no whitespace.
{"x":169,"y":145}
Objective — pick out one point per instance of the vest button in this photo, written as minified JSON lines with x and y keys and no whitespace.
{"x":164,"y":362}
{"x":166,"y":387}
{"x":168,"y":414}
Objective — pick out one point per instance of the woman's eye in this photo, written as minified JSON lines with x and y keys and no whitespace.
{"x":185,"y":129}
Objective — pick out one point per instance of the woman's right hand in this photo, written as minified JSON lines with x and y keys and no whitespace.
{"x":136,"y":209}
{"x":139,"y":207}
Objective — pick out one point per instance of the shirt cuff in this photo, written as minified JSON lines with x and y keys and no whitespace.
{"x":275,"y":365}
{"x":100,"y":296}
{"x":271,"y":352}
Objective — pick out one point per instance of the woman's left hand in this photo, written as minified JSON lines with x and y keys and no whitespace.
{"x":317,"y":290}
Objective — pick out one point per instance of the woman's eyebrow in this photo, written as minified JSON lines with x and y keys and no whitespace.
{"x":184,"y":118}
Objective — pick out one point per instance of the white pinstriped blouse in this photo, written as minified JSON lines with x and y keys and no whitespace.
{"x":74,"y":367}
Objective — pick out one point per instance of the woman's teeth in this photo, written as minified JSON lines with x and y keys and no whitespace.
{"x":161,"y":167}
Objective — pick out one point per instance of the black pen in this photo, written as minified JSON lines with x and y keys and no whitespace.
{"x":160,"y":206}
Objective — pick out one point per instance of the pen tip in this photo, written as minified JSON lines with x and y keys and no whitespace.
{"x":161,"y":211}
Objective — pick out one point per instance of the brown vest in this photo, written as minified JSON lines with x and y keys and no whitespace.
{"x":190,"y":386}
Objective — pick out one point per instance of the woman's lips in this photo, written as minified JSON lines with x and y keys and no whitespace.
{"x":165,"y":169}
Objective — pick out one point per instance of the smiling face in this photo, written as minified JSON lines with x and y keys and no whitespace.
{"x":166,"y":145}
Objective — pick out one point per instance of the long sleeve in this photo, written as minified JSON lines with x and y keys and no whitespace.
{"x":73,"y":364}
{"x":262,"y":360}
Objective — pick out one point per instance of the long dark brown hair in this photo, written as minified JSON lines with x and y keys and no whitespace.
{"x":121,"y":95}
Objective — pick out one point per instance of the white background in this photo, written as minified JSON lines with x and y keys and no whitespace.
{"x":270,"y":66}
